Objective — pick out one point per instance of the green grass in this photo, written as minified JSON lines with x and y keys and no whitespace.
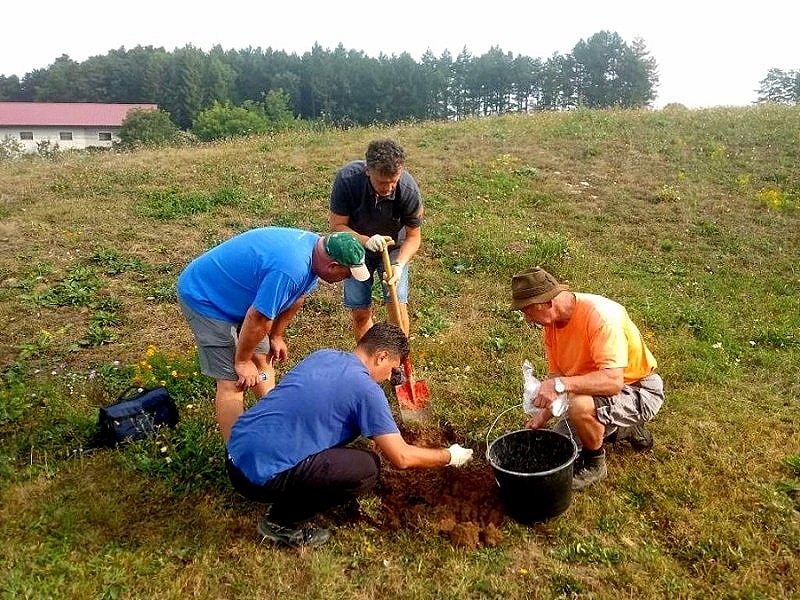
{"x":689,"y":218}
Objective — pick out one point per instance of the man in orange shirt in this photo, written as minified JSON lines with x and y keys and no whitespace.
{"x":598,"y":359}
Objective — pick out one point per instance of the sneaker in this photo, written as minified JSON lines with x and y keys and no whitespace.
{"x":590,"y":470}
{"x":638,"y":436}
{"x":398,"y":377}
{"x":287,"y":536}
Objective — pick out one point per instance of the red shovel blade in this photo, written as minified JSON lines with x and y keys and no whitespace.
{"x":412,"y":395}
{"x":412,"y":401}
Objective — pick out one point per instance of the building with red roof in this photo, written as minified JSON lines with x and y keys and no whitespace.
{"x":69,"y":125}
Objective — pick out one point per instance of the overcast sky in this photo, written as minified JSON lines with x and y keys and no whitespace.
{"x":709,"y":53}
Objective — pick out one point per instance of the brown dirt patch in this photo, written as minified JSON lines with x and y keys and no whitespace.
{"x":461,"y":504}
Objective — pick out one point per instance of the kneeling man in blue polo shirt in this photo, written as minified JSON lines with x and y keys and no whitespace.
{"x":291,"y":449}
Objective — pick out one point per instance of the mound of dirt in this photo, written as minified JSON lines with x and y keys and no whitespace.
{"x":462,"y":504}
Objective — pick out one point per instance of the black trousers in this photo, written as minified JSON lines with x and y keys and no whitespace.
{"x":319,"y":482}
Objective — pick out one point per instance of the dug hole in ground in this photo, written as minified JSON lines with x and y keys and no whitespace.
{"x":460,"y":503}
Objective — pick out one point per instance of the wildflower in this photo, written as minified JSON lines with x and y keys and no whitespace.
{"x":174,"y":373}
{"x":717,"y":346}
{"x":151,"y":350}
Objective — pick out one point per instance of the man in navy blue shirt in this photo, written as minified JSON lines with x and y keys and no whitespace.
{"x":374,"y":199}
{"x":239,"y":297}
{"x":291,"y":450}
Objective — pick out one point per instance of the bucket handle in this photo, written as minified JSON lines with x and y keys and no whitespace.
{"x":521,"y":405}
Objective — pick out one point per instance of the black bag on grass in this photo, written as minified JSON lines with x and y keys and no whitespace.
{"x":136,"y":415}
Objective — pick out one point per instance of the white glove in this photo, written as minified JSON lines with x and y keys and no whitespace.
{"x":376,"y":243}
{"x":397,"y":271}
{"x":459,"y":456}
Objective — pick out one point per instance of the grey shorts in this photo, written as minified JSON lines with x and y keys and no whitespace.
{"x":216,"y":343}
{"x":636,"y":403}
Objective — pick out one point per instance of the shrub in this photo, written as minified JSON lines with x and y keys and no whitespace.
{"x":226,"y":121}
{"x":10,"y":148}
{"x":147,"y":128}
{"x":277,"y":112}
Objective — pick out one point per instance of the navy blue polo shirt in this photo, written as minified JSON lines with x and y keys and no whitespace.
{"x":353,"y":196}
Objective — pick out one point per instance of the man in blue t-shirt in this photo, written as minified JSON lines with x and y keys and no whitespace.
{"x":291,"y":448}
{"x":240,"y":296}
{"x":374,"y":199}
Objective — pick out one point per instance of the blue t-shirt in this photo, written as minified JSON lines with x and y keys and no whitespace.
{"x":268,"y":268}
{"x":327,"y":400}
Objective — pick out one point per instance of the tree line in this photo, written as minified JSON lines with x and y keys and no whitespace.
{"x":346,"y":87}
{"x":780,"y":87}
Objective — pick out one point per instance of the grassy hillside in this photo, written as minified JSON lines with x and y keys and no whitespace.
{"x":689,"y":218}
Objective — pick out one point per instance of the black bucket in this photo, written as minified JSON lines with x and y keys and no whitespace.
{"x":533,"y":468}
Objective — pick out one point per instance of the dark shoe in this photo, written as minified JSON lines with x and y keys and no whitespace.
{"x":307,"y":536}
{"x":590,"y":470}
{"x":638,"y":436}
{"x":398,"y":377}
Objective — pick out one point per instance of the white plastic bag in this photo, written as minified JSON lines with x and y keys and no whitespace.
{"x":531,"y":389}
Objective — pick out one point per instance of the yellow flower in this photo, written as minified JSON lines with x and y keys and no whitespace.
{"x":174,"y":373}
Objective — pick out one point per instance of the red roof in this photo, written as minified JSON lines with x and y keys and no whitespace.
{"x":86,"y":114}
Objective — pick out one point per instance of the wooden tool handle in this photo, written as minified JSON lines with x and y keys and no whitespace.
{"x":387,"y":267}
{"x":398,"y":316}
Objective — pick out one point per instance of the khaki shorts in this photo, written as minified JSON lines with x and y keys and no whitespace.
{"x":637,"y":403}
{"x":216,"y":343}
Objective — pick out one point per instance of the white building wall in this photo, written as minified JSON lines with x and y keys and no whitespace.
{"x":82,"y":137}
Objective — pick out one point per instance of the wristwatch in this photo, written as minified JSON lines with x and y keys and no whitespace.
{"x":559,"y":386}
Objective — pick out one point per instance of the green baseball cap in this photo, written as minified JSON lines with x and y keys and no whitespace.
{"x":346,"y":250}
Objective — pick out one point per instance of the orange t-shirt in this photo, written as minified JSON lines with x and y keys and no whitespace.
{"x":599,"y":335}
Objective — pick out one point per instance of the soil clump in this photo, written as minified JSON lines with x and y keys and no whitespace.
{"x":462,"y":504}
